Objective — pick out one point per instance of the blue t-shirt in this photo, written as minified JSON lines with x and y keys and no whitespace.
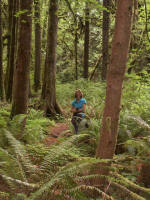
{"x":79,"y":105}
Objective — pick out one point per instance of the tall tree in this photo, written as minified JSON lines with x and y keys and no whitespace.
{"x":75,"y":36}
{"x":106,"y":23}
{"x":1,"y":57}
{"x":43,"y":94}
{"x":76,"y":51}
{"x":37,"y":72}
{"x":12,"y":51}
{"x":10,"y":17}
{"x":115,"y":76}
{"x":86,"y":42}
{"x":21,"y":75}
{"x":52,"y":107}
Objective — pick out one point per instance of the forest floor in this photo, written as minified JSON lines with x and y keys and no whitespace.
{"x":57,"y":131}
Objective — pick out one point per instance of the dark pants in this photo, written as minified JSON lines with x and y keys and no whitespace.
{"x":76,"y":119}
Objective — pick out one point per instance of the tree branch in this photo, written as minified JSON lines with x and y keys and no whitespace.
{"x":146,"y":27}
{"x":69,"y":6}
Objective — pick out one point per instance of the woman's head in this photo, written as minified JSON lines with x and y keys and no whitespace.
{"x":78,"y":94}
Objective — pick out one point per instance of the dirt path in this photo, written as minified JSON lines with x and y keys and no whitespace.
{"x":56,"y":132}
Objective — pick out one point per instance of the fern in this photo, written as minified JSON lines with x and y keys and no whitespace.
{"x":19,"y":182}
{"x":92,"y":188}
{"x":65,"y":176}
{"x":62,"y":182}
{"x":58,"y":153}
{"x":140,"y":122}
{"x":20,"y":151}
{"x":132,"y":186}
{"x":8,"y":161}
{"x":127,"y":192}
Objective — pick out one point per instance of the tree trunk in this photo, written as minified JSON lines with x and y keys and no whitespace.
{"x":44,"y":48}
{"x":86,"y":42}
{"x":10,"y":10}
{"x":75,"y":37}
{"x":1,"y":58}
{"x":95,"y":67}
{"x":43,"y":94}
{"x":12,"y":52}
{"x":76,"y":54}
{"x":37,"y":72}
{"x":106,"y":22}
{"x":52,"y":107}
{"x":115,"y":76}
{"x":21,"y":76}
{"x":44,"y":29}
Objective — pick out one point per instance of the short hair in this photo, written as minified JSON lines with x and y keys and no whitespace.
{"x":81,"y":94}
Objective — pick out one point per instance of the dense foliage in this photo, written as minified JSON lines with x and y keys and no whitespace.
{"x":61,"y":167}
{"x":30,"y":167}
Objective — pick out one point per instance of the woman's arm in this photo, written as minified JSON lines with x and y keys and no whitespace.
{"x":82,"y":109}
{"x":73,"y":109}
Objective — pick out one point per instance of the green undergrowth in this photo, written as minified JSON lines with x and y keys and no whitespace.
{"x":30,"y":128}
{"x":33,"y":170}
{"x":40,"y":172}
{"x":134,"y":115}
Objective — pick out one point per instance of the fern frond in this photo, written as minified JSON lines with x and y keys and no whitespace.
{"x":140,"y":122}
{"x":128,"y":192}
{"x":67,"y":173}
{"x":44,"y":189}
{"x":9,"y":162}
{"x":133,"y":186}
{"x":29,"y":185}
{"x":90,"y":188}
{"x":58,"y":153}
{"x":85,"y":163}
{"x":20,"y":152}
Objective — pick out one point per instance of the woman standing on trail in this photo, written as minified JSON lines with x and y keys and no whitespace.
{"x":78,"y":108}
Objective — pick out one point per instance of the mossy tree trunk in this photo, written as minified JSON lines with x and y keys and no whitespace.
{"x":43,"y":94}
{"x":52,"y":107}
{"x":21,"y":75}
{"x":86,"y":42}
{"x":115,"y":76}
{"x":105,"y":43}
{"x":12,"y":51}
{"x":76,"y":53}
{"x":1,"y":58}
{"x":10,"y":10}
{"x":37,"y":71}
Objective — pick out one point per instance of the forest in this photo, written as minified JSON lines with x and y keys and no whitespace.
{"x":74,"y":100}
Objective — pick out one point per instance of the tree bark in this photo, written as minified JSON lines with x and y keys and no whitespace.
{"x":76,"y":54}
{"x":43,"y":94}
{"x":75,"y":38}
{"x":52,"y":107}
{"x":115,"y":76}
{"x":44,"y":49}
{"x":21,"y":76}
{"x":1,"y":57}
{"x":86,"y":42}
{"x":10,"y":10}
{"x":121,"y":41}
{"x":12,"y":51}
{"x":37,"y":72}
{"x":106,"y":23}
{"x":95,"y":67}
